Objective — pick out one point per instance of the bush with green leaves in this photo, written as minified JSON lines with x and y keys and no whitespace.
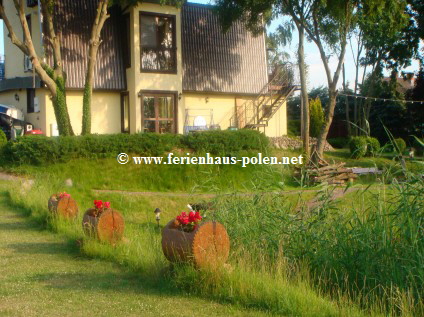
{"x":338,"y":143}
{"x":3,"y":139}
{"x":373,"y":146}
{"x":40,"y":150}
{"x":358,"y":146}
{"x":401,"y":145}
{"x":293,"y":128}
{"x":226,"y":142}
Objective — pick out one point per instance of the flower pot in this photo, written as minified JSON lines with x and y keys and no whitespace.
{"x":208,"y":245}
{"x":66,"y":206}
{"x":108,"y":226}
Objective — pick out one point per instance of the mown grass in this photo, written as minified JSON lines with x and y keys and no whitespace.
{"x":43,"y":275}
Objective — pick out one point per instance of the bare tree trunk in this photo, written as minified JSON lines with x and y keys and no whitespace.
{"x":95,"y":42}
{"x":349,"y":133}
{"x":304,"y":92}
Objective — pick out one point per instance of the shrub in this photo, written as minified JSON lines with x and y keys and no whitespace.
{"x":401,"y":145}
{"x":358,"y":146}
{"x":338,"y":143}
{"x":3,"y":139}
{"x":373,"y":146}
{"x":293,"y":128}
{"x":226,"y":142}
{"x":316,"y":115}
{"x":38,"y":150}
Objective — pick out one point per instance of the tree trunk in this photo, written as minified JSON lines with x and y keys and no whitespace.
{"x":349,"y":133}
{"x":318,"y":153}
{"x":304,"y":92}
{"x":95,"y":42}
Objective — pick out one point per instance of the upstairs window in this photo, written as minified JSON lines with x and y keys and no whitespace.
{"x":158,"y":43}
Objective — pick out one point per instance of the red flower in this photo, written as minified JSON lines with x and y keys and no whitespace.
{"x":98,"y":204}
{"x":191,"y":217}
{"x":197,"y":216}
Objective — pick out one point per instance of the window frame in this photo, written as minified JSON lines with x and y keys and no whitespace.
{"x":125,"y":95}
{"x":174,"y":41}
{"x":155,"y":94}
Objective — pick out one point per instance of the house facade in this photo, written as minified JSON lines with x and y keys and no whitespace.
{"x":160,"y":69}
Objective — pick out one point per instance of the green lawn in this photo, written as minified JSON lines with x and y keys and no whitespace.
{"x":41,"y":274}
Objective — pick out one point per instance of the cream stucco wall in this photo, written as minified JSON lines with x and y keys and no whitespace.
{"x":105,"y":112}
{"x":14,"y":57}
{"x":138,"y":81}
{"x":38,"y":119}
{"x":223,"y":108}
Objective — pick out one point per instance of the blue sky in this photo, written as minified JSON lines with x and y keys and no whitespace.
{"x":316,"y":70}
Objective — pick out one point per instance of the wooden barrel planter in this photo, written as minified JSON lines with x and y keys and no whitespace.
{"x":106,"y":227}
{"x":63,"y":206}
{"x":207,"y":246}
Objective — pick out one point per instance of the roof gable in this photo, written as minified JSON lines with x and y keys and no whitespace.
{"x":234,"y":62}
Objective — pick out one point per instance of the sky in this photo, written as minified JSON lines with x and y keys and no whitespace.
{"x":316,"y":70}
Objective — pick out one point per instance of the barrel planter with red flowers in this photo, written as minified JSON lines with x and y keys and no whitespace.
{"x":204,"y":244}
{"x":104,"y":223}
{"x":63,"y":205}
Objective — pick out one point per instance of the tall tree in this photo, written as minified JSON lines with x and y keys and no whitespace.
{"x":94,"y":45}
{"x":53,"y":76}
{"x":254,"y":14}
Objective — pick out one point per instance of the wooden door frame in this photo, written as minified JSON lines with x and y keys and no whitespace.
{"x":160,"y":93}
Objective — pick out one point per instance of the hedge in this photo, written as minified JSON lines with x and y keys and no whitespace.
{"x":40,"y":150}
{"x":338,"y":143}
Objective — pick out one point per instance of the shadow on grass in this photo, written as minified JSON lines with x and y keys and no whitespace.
{"x":104,"y":281}
{"x":39,"y":248}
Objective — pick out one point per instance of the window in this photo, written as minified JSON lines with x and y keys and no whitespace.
{"x":159,"y":113}
{"x":125,"y":113}
{"x":158,"y":47}
{"x":30,"y":100}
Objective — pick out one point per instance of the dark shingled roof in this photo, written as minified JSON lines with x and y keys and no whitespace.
{"x":234,"y":62}
{"x":74,"y":19}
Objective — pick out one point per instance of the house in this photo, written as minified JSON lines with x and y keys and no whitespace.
{"x":160,"y":69}
{"x":404,"y":83}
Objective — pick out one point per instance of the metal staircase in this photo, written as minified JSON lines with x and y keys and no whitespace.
{"x":257,"y":113}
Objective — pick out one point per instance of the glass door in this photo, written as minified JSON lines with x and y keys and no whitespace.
{"x":158,"y":113}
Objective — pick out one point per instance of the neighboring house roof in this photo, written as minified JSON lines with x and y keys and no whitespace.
{"x":234,"y":62}
{"x":403,"y":84}
{"x":74,"y":20}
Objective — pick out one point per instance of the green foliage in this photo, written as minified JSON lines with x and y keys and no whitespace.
{"x":316,"y":115}
{"x":338,"y":143}
{"x":361,"y":146}
{"x":400,"y":144}
{"x":373,"y":146}
{"x":39,"y":150}
{"x":3,"y":139}
{"x":226,"y":142}
{"x":86,"y":112}
{"x":358,"y":146}
{"x":293,"y":128}
{"x":419,"y":146}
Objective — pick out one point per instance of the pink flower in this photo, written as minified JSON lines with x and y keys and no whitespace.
{"x":106,"y":204}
